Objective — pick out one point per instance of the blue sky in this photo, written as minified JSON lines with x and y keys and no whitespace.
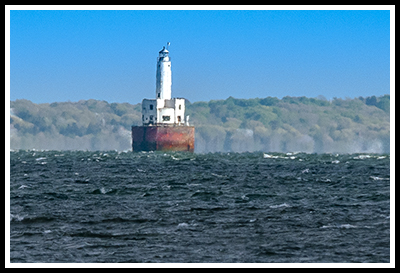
{"x":111,"y":54}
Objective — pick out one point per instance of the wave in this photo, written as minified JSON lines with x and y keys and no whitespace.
{"x":102,"y":190}
{"x":183,"y":225}
{"x":16,"y":218}
{"x":130,"y":220}
{"x":57,"y":195}
{"x":378,"y":178}
{"x":30,"y":219}
{"x":284,"y":205}
{"x":345,"y":226}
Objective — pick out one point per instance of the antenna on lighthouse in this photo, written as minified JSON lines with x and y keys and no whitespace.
{"x":168,"y":43}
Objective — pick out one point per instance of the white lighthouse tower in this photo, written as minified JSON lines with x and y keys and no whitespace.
{"x":163,"y":110}
{"x":163,"y":76}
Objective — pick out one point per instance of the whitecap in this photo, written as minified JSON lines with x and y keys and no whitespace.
{"x":378,"y":178}
{"x":335,"y":162}
{"x":103,"y":191}
{"x":193,"y":185}
{"x":183,"y":225}
{"x":324,"y":180}
{"x":40,"y":158}
{"x":16,"y":217}
{"x":272,"y":156}
{"x":267,"y":156}
{"x":244,"y":197}
{"x":23,"y":187}
{"x":362,"y":157}
{"x":347,"y":226}
{"x":284,"y":205}
{"x":218,"y":175}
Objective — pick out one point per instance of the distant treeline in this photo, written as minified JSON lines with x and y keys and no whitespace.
{"x":237,"y":125}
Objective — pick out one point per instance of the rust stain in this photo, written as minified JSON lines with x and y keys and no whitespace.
{"x":163,"y":138}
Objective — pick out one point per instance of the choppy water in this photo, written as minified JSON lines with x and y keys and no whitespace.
{"x":179,"y":207}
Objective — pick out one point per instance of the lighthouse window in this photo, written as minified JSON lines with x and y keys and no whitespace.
{"x":166,"y":118}
{"x":158,"y":94}
{"x":151,"y":106}
{"x":179,"y":118}
{"x":179,"y":107}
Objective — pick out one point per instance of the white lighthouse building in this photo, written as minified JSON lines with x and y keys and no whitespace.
{"x":163,"y":110}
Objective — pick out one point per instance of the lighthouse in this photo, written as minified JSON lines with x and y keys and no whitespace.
{"x":163,"y":75}
{"x":164,"y":126}
{"x":163,"y":110}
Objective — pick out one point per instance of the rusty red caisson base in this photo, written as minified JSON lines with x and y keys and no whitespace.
{"x":163,"y":138}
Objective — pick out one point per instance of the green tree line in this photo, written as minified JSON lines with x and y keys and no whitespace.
{"x":238,"y":125}
{"x":293,"y":124}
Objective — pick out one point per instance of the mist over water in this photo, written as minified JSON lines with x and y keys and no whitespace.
{"x":244,"y":140}
{"x":81,"y":206}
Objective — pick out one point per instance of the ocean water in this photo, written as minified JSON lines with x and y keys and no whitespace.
{"x":124,"y":207}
